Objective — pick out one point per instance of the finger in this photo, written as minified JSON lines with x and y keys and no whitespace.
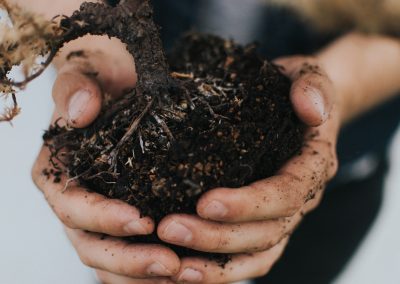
{"x":312,"y":91}
{"x":110,"y":278}
{"x":77,"y":208}
{"x":282,"y":195}
{"x":199,"y":234}
{"x":83,"y":79}
{"x":122,"y":258}
{"x":78,"y":97}
{"x":241,"y":267}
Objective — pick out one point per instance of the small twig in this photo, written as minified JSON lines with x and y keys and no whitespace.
{"x":164,"y":126}
{"x":32,"y":77}
{"x":11,"y":112}
{"x":134,"y":125}
{"x":211,"y":110}
{"x":177,"y":115}
{"x":189,"y":99}
{"x":191,"y":184}
{"x":131,"y":130}
{"x":67,"y":183}
{"x":99,"y":175}
{"x":196,"y":187}
{"x":141,"y":142}
{"x":182,"y":75}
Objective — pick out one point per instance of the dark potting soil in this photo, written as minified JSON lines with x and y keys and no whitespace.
{"x":228,"y":122}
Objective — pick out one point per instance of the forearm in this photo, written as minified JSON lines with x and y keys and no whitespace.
{"x":365,"y":69}
{"x":51,"y":8}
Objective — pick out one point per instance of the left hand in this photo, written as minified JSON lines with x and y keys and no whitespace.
{"x":254,"y":222}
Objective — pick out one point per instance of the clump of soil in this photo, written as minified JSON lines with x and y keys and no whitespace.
{"x":215,"y":114}
{"x":230,"y":123}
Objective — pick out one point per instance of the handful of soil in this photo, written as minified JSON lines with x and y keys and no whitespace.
{"x":215,"y":114}
{"x":230,"y":122}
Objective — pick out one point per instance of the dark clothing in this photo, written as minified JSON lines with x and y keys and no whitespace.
{"x":329,"y":236}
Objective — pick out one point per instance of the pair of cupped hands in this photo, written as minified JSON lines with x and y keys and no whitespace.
{"x":254,"y":222}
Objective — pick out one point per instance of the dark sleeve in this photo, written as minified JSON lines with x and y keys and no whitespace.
{"x":112,"y":2}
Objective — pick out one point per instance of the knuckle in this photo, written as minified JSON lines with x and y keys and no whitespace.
{"x":290,"y":194}
{"x":263,"y":270}
{"x":331,"y":158}
{"x":219,"y":240}
{"x":97,"y":201}
{"x":64,"y":217}
{"x":102,"y":277}
{"x":333,"y":166}
{"x":295,"y":204}
{"x":281,"y":230}
{"x":267,"y":244}
{"x":313,"y":205}
{"x":66,"y":220}
{"x":84,"y":257}
{"x":131,"y":270}
{"x":87,"y":261}
{"x":37,"y":175}
{"x":271,"y":235}
{"x":101,"y":225}
{"x":102,"y":220}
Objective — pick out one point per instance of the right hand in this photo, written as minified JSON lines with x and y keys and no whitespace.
{"x":87,"y":216}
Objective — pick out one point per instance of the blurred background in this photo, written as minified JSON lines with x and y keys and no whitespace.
{"x":33,"y":248}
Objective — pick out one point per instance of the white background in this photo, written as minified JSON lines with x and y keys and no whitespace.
{"x":34,"y":250}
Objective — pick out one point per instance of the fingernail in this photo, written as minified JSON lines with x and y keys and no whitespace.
{"x":78,"y":104}
{"x":318,"y":102}
{"x":191,"y":275}
{"x":135,"y":228}
{"x":157,"y":269}
{"x":177,"y":233}
{"x":215,"y":209}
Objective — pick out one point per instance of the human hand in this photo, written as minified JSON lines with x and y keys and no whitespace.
{"x":254,"y":222}
{"x":78,"y":92}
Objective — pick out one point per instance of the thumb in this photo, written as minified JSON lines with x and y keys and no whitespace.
{"x":77,"y":91}
{"x":78,"y":97}
{"x":312,"y":92}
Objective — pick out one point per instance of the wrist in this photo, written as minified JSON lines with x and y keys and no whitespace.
{"x":343,"y":88}
{"x":364,"y":70}
{"x":50,"y":8}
